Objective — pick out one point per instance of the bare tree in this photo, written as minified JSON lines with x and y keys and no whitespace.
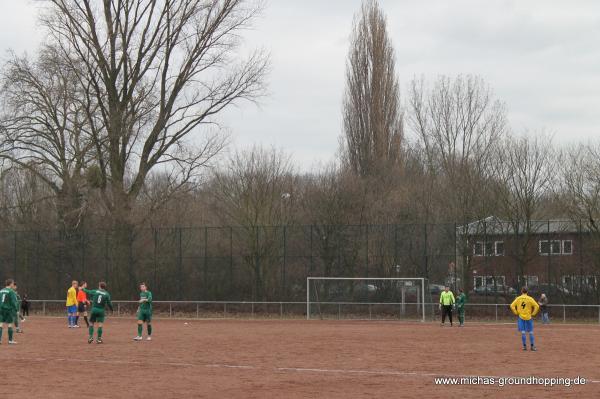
{"x":256,"y":192}
{"x":157,"y":73}
{"x":579,"y":190}
{"x":43,"y":128}
{"x":457,"y":123}
{"x":372,"y":115}
{"x":334,"y":204}
{"x":523,"y":167}
{"x":26,"y":202}
{"x":580,"y":183}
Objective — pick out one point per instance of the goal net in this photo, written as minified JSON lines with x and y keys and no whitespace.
{"x":367,"y":298}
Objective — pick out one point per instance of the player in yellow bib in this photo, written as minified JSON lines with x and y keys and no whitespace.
{"x":525,"y":307}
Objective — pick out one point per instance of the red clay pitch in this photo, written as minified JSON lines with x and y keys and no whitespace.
{"x":293,"y":359}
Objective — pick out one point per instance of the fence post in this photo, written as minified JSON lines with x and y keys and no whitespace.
{"x":283,"y":270}
{"x":369,"y":311}
{"x":170,"y":310}
{"x":252,"y":309}
{"x":118,"y":309}
{"x":197,"y":310}
{"x":339,"y":311}
{"x":225,"y":310}
{"x":280,"y":310}
{"x":43,"y":308}
{"x":496,"y":306}
{"x":564,"y":314}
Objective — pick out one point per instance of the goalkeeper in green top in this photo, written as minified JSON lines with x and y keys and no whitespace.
{"x":144,"y":313}
{"x":461,"y":299}
{"x":100,"y":300}
{"x":446,"y":304}
{"x":8,"y":309}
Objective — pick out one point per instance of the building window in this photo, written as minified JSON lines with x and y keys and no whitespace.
{"x":567,"y":247}
{"x":488,"y":281}
{"x":478,"y":249}
{"x":489,"y":284}
{"x":499,"y":248}
{"x":529,"y":281}
{"x":578,"y":283}
{"x":490,"y":248}
{"x":556,"y":247}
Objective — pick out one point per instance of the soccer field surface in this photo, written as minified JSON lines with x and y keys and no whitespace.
{"x":294,"y":359}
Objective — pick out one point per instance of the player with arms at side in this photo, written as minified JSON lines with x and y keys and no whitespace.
{"x":8,"y":308}
{"x":144,"y":313}
{"x":525,"y":307}
{"x":100,"y":300}
{"x":72,"y":304}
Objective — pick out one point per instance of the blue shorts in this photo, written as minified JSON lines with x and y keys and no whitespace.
{"x":72,"y":309}
{"x":525,"y":325}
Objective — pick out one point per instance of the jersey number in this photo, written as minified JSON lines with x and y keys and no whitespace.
{"x":99,"y":299}
{"x":523,"y":304}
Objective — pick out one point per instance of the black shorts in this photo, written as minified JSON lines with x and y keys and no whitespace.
{"x":81,"y":307}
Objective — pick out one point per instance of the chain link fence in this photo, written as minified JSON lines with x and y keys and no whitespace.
{"x":270,"y":263}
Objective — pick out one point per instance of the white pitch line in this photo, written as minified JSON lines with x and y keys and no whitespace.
{"x":290,"y":369}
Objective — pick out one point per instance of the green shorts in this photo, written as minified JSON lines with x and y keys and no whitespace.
{"x":97,"y":315}
{"x":144,"y":315}
{"x":7,"y":316}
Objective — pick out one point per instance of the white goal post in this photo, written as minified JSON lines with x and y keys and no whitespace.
{"x":419,"y":282}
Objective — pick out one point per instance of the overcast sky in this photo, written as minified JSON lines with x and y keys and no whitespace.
{"x":542,"y":58}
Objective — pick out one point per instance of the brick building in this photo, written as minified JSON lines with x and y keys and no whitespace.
{"x":560,"y":253}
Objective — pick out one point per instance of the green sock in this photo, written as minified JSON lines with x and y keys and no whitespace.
{"x":91,"y":330}
{"x":10,"y":333}
{"x":140,"y":328}
{"x":99,"y":332}
{"x":149,"y":326}
{"x":0,"y":333}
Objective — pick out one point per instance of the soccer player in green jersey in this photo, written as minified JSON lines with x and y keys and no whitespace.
{"x":144,"y":313}
{"x":8,"y":308}
{"x":100,"y":300}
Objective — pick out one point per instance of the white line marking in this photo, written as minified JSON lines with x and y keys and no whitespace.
{"x":400,"y":373}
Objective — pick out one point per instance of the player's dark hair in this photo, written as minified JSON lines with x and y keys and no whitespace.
{"x":102,"y":285}
{"x":144,"y":284}
{"x":524,"y":290}
{"x":460,"y":290}
{"x":9,"y":281}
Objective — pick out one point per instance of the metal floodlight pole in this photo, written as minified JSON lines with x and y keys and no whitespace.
{"x":423,"y":297}
{"x":308,"y":298}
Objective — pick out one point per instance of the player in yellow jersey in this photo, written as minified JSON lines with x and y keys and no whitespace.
{"x":72,"y":304}
{"x":525,"y":307}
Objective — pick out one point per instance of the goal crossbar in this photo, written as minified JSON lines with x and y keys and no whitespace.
{"x":415,"y":279}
